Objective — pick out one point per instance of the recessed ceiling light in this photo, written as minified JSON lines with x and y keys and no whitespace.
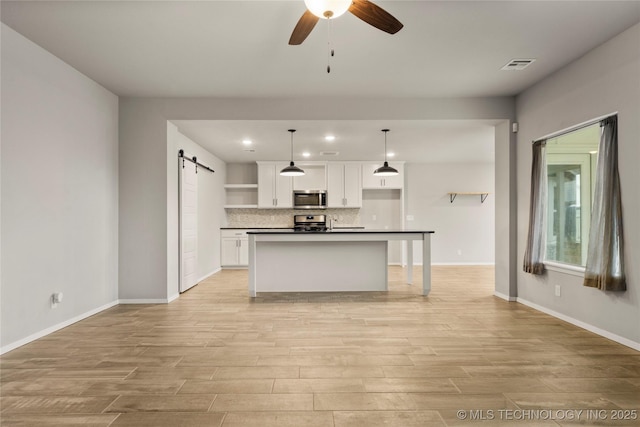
{"x":329,"y":138}
{"x":306,"y":154}
{"x":247,"y":142}
{"x":390,"y":154}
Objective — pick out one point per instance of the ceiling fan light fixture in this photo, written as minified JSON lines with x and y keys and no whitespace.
{"x":292,"y":169}
{"x":385,"y":169}
{"x":328,"y":9}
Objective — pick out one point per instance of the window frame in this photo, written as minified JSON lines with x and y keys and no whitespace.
{"x":585,"y":161}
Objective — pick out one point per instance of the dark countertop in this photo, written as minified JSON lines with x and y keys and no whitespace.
{"x":341,"y":231}
{"x":359,"y":227}
{"x":256,"y":228}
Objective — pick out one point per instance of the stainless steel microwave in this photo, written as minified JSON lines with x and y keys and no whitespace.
{"x":309,"y":199}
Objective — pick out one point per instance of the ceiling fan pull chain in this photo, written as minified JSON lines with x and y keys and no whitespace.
{"x":329,"y":47}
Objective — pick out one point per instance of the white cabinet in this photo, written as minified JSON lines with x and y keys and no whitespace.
{"x":274,"y":190}
{"x":344,"y":185}
{"x":234,"y":249}
{"x":370,"y":181}
{"x":314,"y":178}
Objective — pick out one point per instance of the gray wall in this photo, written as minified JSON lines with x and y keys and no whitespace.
{"x":59,"y":192}
{"x":605,"y":80}
{"x":145,"y":204}
{"x":465,"y":230}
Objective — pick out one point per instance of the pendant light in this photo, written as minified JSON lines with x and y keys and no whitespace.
{"x":292,"y":169}
{"x":385,"y":169}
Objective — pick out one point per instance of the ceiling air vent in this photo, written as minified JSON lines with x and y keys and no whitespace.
{"x":329,"y":153}
{"x":517,"y":64}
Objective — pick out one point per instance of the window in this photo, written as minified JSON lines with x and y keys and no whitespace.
{"x":571,"y":161}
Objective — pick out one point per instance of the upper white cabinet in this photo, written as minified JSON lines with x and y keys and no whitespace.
{"x":274,"y":190}
{"x":314,"y":178}
{"x":370,"y":181}
{"x":344,"y":185}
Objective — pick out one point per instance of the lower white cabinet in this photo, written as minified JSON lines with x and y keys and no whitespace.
{"x":234,"y":248}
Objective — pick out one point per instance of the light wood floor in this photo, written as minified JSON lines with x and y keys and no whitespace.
{"x":215,"y":357}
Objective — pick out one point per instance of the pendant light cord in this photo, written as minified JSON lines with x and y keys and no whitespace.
{"x":385,"y":144}
{"x":292,"y":131}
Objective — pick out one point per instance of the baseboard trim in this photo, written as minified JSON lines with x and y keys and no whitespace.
{"x":206,"y":276}
{"x":54,"y":328}
{"x":463,"y":263}
{"x":505,"y":297}
{"x":417,"y":264}
{"x":145,"y":301}
{"x":606,"y":334}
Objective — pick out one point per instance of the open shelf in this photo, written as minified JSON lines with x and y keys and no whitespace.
{"x":241,"y":196}
{"x":483,"y":195}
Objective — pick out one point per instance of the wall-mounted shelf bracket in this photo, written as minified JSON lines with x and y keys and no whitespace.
{"x":483,"y":195}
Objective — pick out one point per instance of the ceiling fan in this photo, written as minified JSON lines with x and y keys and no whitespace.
{"x":330,"y":9}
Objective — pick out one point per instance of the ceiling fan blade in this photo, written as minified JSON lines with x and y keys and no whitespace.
{"x":303,"y":28}
{"x":375,"y":15}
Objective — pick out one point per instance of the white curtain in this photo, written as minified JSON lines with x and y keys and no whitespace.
{"x":534,"y":252}
{"x":605,"y":255}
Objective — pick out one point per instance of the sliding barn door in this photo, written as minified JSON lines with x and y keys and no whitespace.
{"x":188,"y":225}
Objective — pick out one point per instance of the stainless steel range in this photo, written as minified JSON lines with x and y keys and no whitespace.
{"x":310,"y":223}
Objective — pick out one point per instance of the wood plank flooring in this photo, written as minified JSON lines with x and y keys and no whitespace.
{"x":216,"y":357}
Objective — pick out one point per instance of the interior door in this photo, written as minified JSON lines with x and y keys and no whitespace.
{"x":188,"y":225}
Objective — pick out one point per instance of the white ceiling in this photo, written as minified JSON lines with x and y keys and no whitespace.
{"x":239,"y":49}
{"x":425,"y":141}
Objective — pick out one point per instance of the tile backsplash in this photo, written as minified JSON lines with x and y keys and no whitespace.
{"x":248,"y":218}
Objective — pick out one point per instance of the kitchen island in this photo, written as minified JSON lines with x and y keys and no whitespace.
{"x":329,"y":261}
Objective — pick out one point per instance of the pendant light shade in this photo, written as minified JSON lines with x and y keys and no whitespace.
{"x":385,"y":169}
{"x":292,"y":169}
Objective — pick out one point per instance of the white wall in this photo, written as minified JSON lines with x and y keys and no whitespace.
{"x":605,"y":80}
{"x":59,"y":192}
{"x":211,"y":196}
{"x":145,"y":249}
{"x":466,"y":225}
{"x":382,"y":210}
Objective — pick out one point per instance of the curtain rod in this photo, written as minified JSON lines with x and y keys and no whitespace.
{"x":194,"y":159}
{"x":575,"y":127}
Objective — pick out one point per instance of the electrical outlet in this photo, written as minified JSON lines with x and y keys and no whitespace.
{"x":56,"y":298}
{"x":459,"y":251}
{"x":558,"y":290}
{"x":374,"y":217}
{"x":409,"y":217}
